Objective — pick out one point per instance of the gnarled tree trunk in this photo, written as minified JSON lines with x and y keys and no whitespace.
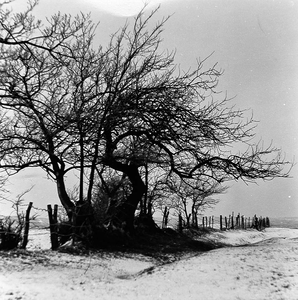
{"x":125,"y":212}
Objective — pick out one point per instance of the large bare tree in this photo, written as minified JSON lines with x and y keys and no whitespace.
{"x":46,"y":96}
{"x":65,"y":105}
{"x":161,"y":115}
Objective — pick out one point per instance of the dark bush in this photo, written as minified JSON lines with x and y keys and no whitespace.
{"x":10,"y":237}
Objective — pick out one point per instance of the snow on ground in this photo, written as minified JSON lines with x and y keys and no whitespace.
{"x":251,"y":236}
{"x":39,"y":239}
{"x":257,"y":265}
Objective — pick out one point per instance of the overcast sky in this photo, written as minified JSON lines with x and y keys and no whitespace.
{"x":255,"y":42}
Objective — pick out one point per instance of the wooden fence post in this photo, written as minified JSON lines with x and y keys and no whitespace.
{"x":257,"y":223}
{"x":165,"y":217}
{"x":260,"y":222}
{"x":242,"y":222}
{"x":238,"y":221}
{"x":267,"y":222}
{"x":53,"y":226}
{"x":220,"y":222}
{"x":27,"y":225}
{"x":180,"y":225}
{"x":226,"y":222}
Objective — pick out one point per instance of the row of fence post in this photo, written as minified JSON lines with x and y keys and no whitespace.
{"x":53,"y":222}
{"x":225,"y":223}
{"x":237,"y":222}
{"x":208,"y":222}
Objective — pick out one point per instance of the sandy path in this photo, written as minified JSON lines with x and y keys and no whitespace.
{"x":267,"y":270}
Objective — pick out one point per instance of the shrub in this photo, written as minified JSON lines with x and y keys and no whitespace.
{"x":10,"y":234}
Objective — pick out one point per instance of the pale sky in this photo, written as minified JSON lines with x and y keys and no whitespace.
{"x":255,"y":42}
{"x":124,"y":8}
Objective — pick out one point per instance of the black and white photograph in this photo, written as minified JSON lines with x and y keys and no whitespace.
{"x":148,"y":149}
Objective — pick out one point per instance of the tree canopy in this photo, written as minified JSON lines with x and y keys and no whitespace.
{"x":66,"y":105}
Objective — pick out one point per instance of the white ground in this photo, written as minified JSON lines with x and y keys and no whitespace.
{"x":262,"y":265}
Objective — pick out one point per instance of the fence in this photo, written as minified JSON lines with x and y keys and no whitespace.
{"x":222,"y":223}
{"x":235,"y":222}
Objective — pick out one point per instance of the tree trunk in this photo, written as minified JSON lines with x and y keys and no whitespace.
{"x":63,"y":197}
{"x":125,"y":214}
{"x":59,"y":167}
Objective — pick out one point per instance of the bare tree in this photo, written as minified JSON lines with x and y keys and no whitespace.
{"x":155,"y":106}
{"x":45,"y":92}
{"x":66,"y":106}
{"x":190,"y":197}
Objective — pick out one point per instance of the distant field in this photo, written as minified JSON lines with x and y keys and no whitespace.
{"x":285,"y":222}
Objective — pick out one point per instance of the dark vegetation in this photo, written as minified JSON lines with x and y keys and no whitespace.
{"x":164,"y":245}
{"x":140,"y":134}
{"x":10,"y":237}
{"x":14,"y":230}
